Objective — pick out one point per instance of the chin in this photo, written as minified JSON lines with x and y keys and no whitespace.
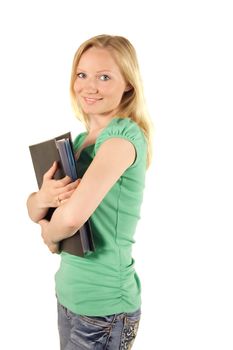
{"x":93,"y":110}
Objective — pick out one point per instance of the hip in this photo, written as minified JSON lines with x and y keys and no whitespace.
{"x":116,"y":331}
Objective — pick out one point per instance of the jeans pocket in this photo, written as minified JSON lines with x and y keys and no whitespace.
{"x":130,"y":329}
{"x":101,"y":321}
{"x":92,"y":332}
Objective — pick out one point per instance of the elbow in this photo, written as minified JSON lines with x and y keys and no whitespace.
{"x":32,"y":215}
{"x":72,"y":221}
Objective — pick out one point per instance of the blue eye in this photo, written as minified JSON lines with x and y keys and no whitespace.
{"x":104,"y":77}
{"x":81,"y":75}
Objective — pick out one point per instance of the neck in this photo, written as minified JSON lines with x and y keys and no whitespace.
{"x":97,"y":124}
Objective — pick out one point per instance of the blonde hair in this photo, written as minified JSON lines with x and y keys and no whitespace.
{"x":133,"y":102}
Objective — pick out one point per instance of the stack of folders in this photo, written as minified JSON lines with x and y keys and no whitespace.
{"x":43,"y":155}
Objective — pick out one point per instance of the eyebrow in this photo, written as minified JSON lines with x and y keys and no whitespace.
{"x":99,"y":71}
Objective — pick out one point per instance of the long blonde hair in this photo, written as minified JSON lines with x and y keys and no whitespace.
{"x":133,"y":102}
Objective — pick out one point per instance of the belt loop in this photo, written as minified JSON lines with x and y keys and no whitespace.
{"x":114,"y":318}
{"x":120,"y":316}
{"x":125,"y":319}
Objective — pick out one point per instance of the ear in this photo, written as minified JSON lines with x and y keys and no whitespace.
{"x":128,"y":88}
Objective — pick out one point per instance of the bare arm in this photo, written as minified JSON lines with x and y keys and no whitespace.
{"x":36,"y":209}
{"x":51,"y":194}
{"x":112,"y":159}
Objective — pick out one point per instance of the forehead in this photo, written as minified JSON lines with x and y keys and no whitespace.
{"x":98,"y":59}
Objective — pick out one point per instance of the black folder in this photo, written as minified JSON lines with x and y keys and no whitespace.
{"x":43,"y":155}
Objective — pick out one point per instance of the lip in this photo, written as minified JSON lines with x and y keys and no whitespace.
{"x":91,"y":100}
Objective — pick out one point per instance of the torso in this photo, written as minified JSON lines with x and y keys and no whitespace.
{"x":86,"y":144}
{"x":113,"y":223}
{"x":91,"y":136}
{"x":89,"y":140}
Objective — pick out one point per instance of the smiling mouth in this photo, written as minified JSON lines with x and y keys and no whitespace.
{"x":90,"y":100}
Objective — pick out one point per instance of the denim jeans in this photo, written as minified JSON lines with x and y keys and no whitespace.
{"x":114,"y":332}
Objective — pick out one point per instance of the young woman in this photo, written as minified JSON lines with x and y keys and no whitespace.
{"x":99,"y":295}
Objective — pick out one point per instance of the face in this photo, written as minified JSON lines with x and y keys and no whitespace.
{"x":99,"y":84}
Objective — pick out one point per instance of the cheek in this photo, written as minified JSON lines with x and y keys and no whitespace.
{"x":116,"y":94}
{"x":77,"y":86}
{"x":112,"y":91}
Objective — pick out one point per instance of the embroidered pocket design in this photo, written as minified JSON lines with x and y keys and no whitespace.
{"x":129,"y":334}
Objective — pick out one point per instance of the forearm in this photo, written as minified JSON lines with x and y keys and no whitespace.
{"x":70,"y":216}
{"x":59,"y":227}
{"x":36,"y":209}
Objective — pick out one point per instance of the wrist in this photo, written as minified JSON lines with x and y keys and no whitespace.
{"x":41,"y":201}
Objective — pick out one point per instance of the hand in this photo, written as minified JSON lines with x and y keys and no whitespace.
{"x":53,"y":193}
{"x":53,"y":247}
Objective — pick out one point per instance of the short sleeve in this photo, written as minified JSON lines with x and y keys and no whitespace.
{"x":127,"y":129}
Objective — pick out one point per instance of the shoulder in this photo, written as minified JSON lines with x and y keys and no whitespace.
{"x":127,"y":129}
{"x":124,"y":128}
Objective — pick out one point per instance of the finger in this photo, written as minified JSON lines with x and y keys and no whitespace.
{"x":42,"y":222}
{"x":69,"y":187}
{"x":61,"y":202}
{"x":66,"y":195}
{"x":78,"y":181}
{"x":72,"y":185}
{"x":42,"y":236}
{"x":54,"y":248}
{"x":64,"y":201}
{"x":64,"y":181}
{"x":50,"y":173}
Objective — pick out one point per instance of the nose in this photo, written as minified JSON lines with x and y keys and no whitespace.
{"x":91,"y":85}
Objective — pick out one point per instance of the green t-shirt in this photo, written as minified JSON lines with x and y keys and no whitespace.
{"x":105,"y":282}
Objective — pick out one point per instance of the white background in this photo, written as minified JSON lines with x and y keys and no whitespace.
{"x":183,"y":247}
